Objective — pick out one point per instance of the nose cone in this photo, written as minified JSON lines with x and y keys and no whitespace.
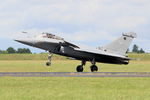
{"x":27,"y":41}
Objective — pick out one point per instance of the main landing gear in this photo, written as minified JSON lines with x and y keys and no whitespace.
{"x":49,"y":59}
{"x":80,"y":67}
{"x":93,"y":67}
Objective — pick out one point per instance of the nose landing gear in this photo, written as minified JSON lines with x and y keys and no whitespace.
{"x":49,"y":59}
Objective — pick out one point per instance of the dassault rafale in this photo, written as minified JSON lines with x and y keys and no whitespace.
{"x":113,"y":53}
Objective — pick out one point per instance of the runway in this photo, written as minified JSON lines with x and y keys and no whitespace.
{"x":74,"y":74}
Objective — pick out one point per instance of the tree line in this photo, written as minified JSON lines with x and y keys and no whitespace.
{"x":11,"y":50}
{"x":136,"y":49}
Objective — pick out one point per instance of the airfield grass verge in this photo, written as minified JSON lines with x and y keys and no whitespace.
{"x":36,"y":63}
{"x":140,"y":57}
{"x":69,"y":66}
{"x":43,"y":56}
{"x":71,"y":88}
{"x":74,"y":88}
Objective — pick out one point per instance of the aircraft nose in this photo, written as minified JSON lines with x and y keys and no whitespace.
{"x":27,"y":41}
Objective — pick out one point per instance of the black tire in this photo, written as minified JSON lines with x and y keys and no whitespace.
{"x":79,"y":68}
{"x":48,"y":64}
{"x":94,"y":68}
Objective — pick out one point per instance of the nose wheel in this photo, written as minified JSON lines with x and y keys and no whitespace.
{"x":48,"y":63}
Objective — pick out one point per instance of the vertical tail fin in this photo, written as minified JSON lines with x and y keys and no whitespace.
{"x":121,"y":45}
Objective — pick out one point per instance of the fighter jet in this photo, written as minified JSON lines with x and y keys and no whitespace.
{"x":113,"y":53}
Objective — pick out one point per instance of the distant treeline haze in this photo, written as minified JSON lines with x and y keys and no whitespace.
{"x":11,"y":50}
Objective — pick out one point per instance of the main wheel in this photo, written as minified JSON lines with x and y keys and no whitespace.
{"x":48,"y":64}
{"x":79,"y":68}
{"x":94,"y":68}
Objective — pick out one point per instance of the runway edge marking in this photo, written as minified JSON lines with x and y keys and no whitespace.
{"x":74,"y":74}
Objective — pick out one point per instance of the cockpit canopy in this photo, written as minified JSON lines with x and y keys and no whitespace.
{"x":49,"y":35}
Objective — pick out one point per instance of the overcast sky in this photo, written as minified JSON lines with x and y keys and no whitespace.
{"x":90,"y":22}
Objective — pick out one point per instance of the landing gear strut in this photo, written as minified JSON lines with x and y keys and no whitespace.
{"x":94,"y":68}
{"x":49,"y":59}
{"x":80,"y":67}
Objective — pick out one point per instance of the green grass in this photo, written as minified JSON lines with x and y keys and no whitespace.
{"x":71,"y":88}
{"x":55,"y":88}
{"x":28,"y":57}
{"x":69,"y":66}
{"x":140,"y":57}
{"x":36,"y":63}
